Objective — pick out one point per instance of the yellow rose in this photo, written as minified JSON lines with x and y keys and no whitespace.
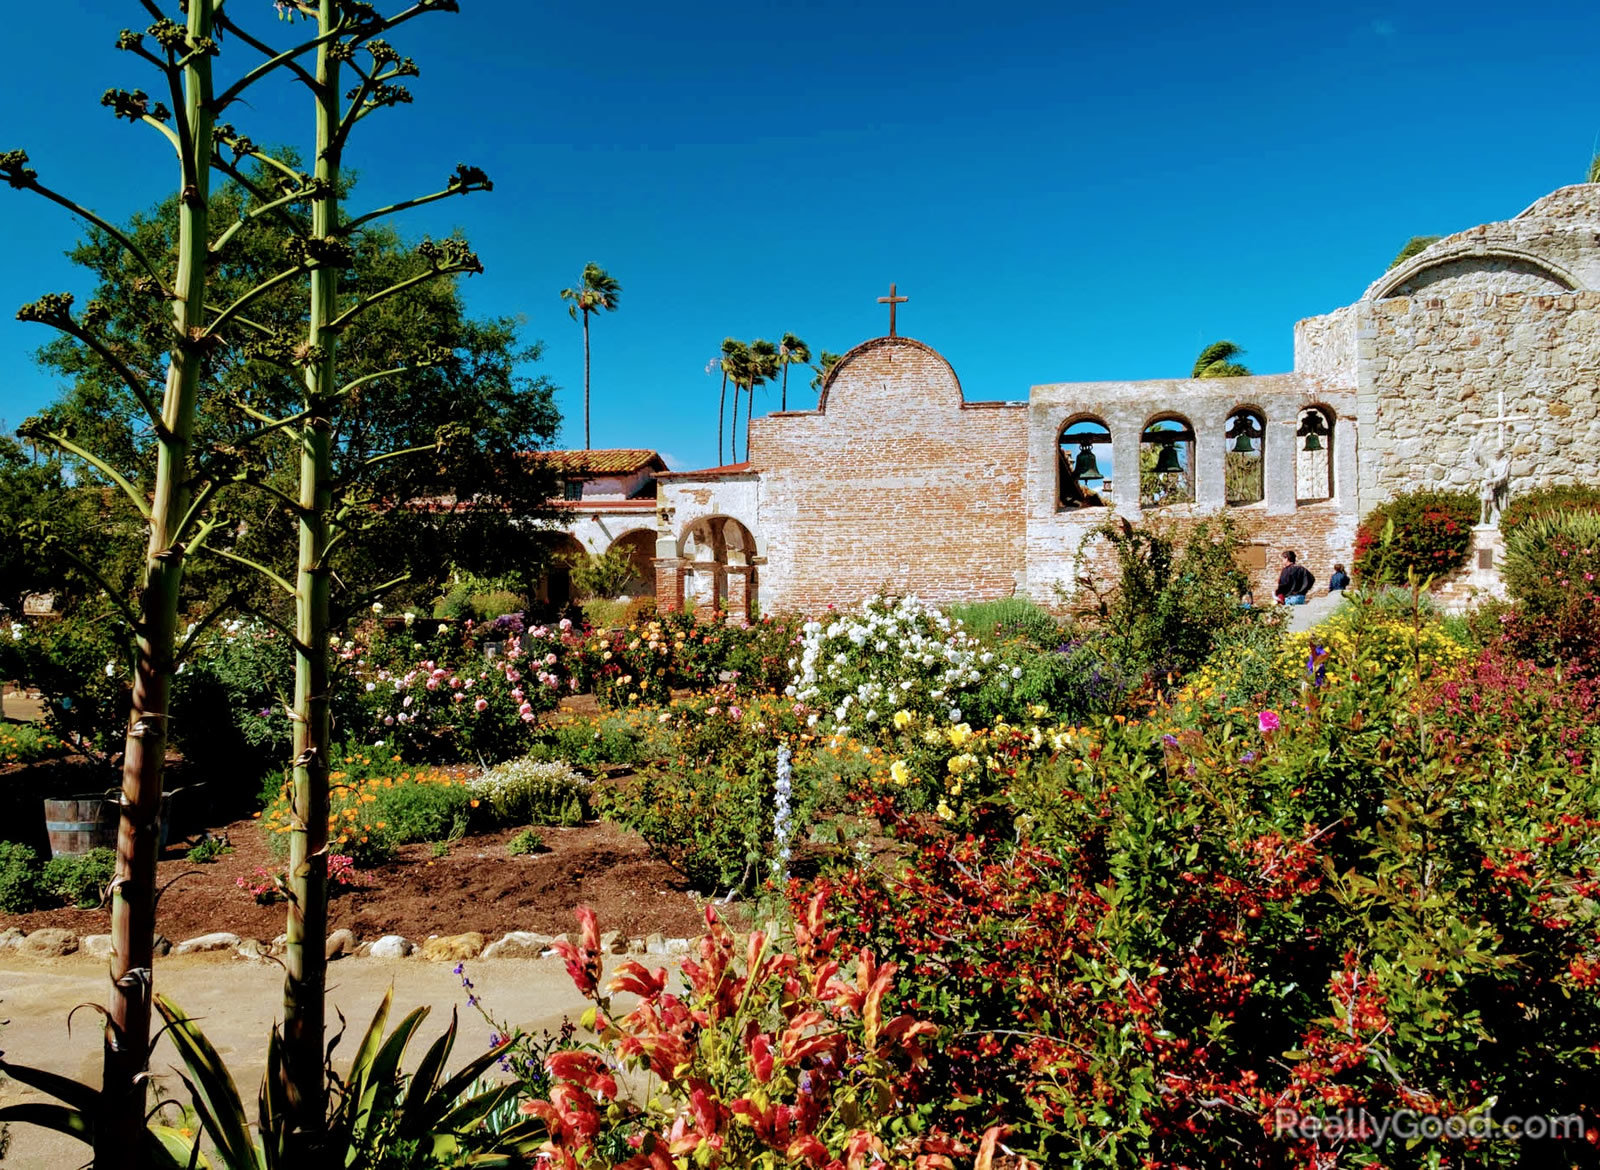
{"x":959,"y":734}
{"x":945,"y":812}
{"x":902,"y":718}
{"x":899,"y":773}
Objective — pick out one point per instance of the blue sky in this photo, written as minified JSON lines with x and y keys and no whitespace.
{"x":1064,"y":191}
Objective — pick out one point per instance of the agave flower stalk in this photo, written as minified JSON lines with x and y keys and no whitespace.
{"x":323,"y":518}
{"x":183,"y":55}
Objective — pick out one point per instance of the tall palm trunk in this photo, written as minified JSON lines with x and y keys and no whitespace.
{"x":722,"y":403}
{"x":783,"y":395}
{"x":586,"y":379}
{"x":119,"y":1133}
{"x":305,"y":961}
{"x":733,"y":430}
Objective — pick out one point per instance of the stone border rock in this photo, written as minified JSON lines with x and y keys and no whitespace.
{"x":56,"y":943}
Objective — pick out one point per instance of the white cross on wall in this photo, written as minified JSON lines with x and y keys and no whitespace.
{"x":1501,"y":418}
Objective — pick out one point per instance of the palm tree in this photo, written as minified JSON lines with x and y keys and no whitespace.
{"x":824,"y":364}
{"x":791,"y":351}
{"x":596,"y":290}
{"x":734,"y":356}
{"x":1216,"y":361}
{"x":1594,"y":170}
{"x":762,"y":368}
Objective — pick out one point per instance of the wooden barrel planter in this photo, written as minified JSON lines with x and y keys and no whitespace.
{"x":80,"y":824}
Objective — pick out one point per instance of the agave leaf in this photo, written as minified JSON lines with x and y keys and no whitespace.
{"x":216,"y":1097}
{"x":371,"y":1041}
{"x":80,"y":1096}
{"x":376,"y":1092}
{"x":50,"y":1115}
{"x":463,"y":1080}
{"x":183,"y":1151}
{"x":273,"y":1104}
{"x":470,"y":1111}
{"x":415,"y":1114}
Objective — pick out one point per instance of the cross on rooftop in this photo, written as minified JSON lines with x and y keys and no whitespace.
{"x":1501,"y":418}
{"x":891,"y":300}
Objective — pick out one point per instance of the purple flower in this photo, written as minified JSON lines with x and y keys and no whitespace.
{"x":1170,"y":740}
{"x":1248,"y":757}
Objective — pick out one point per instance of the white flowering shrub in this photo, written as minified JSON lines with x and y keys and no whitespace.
{"x":537,"y":792}
{"x":896,"y":656}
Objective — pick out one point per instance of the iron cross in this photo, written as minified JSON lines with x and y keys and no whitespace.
{"x":891,"y":300}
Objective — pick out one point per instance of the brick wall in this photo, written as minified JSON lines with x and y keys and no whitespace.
{"x":892,"y":482}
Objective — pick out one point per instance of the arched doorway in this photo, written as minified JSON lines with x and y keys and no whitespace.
{"x":554,"y":551}
{"x":718,"y":571}
{"x":640,"y":546}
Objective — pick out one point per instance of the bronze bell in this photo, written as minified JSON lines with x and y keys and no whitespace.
{"x":1167,"y":462}
{"x":1242,"y":444}
{"x":1313,"y":442}
{"x":1086,"y":467}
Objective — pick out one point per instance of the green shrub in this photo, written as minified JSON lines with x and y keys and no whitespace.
{"x":535,"y":792}
{"x":1546,"y":501}
{"x":424,"y":812}
{"x":496,"y":603}
{"x":208,"y":850}
{"x":81,"y":880}
{"x":524,"y":843}
{"x":1431,"y":533}
{"x":1173,"y":594}
{"x":20,"y":887}
{"x":604,"y":614}
{"x":601,"y":575}
{"x":26,"y":743}
{"x":589,"y":743}
{"x":1552,"y":572}
{"x":1008,"y":619}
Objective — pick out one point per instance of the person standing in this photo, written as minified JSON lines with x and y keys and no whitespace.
{"x":1294,"y":581}
{"x":1340,"y":581}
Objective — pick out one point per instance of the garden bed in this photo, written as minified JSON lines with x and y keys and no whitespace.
{"x":476,"y":886}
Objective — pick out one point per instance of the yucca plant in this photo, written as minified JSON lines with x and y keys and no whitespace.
{"x":380,"y":1116}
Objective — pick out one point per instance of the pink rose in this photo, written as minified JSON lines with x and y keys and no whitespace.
{"x":481,"y":704}
{"x":1267,"y":721}
{"x":433,"y":684}
{"x":549,"y":659}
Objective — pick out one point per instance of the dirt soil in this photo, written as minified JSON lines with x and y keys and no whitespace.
{"x":476,"y":887}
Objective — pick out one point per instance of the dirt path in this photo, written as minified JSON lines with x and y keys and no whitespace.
{"x":239,"y":1001}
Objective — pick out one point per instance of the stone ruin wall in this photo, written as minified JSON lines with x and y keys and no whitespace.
{"x":1435,"y":366}
{"x":1321,"y":532}
{"x":893,"y":482}
{"x":1325,"y":347}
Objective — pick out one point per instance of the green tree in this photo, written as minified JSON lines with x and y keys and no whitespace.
{"x":1594,"y":170}
{"x":1216,"y":361}
{"x":478,"y":483}
{"x":791,"y":351}
{"x":760,"y":369}
{"x":825,"y":363}
{"x":735,"y":356}
{"x":596,"y":290}
{"x":1411,"y":247}
{"x":182,"y":55}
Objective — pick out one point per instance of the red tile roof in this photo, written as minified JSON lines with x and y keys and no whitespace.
{"x":610,"y":461}
{"x":712,"y":472}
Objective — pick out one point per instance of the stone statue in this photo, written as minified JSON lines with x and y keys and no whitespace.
{"x":1495,"y":486}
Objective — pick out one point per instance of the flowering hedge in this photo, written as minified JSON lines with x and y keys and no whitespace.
{"x":1431,"y":532}
{"x":857,"y":670}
